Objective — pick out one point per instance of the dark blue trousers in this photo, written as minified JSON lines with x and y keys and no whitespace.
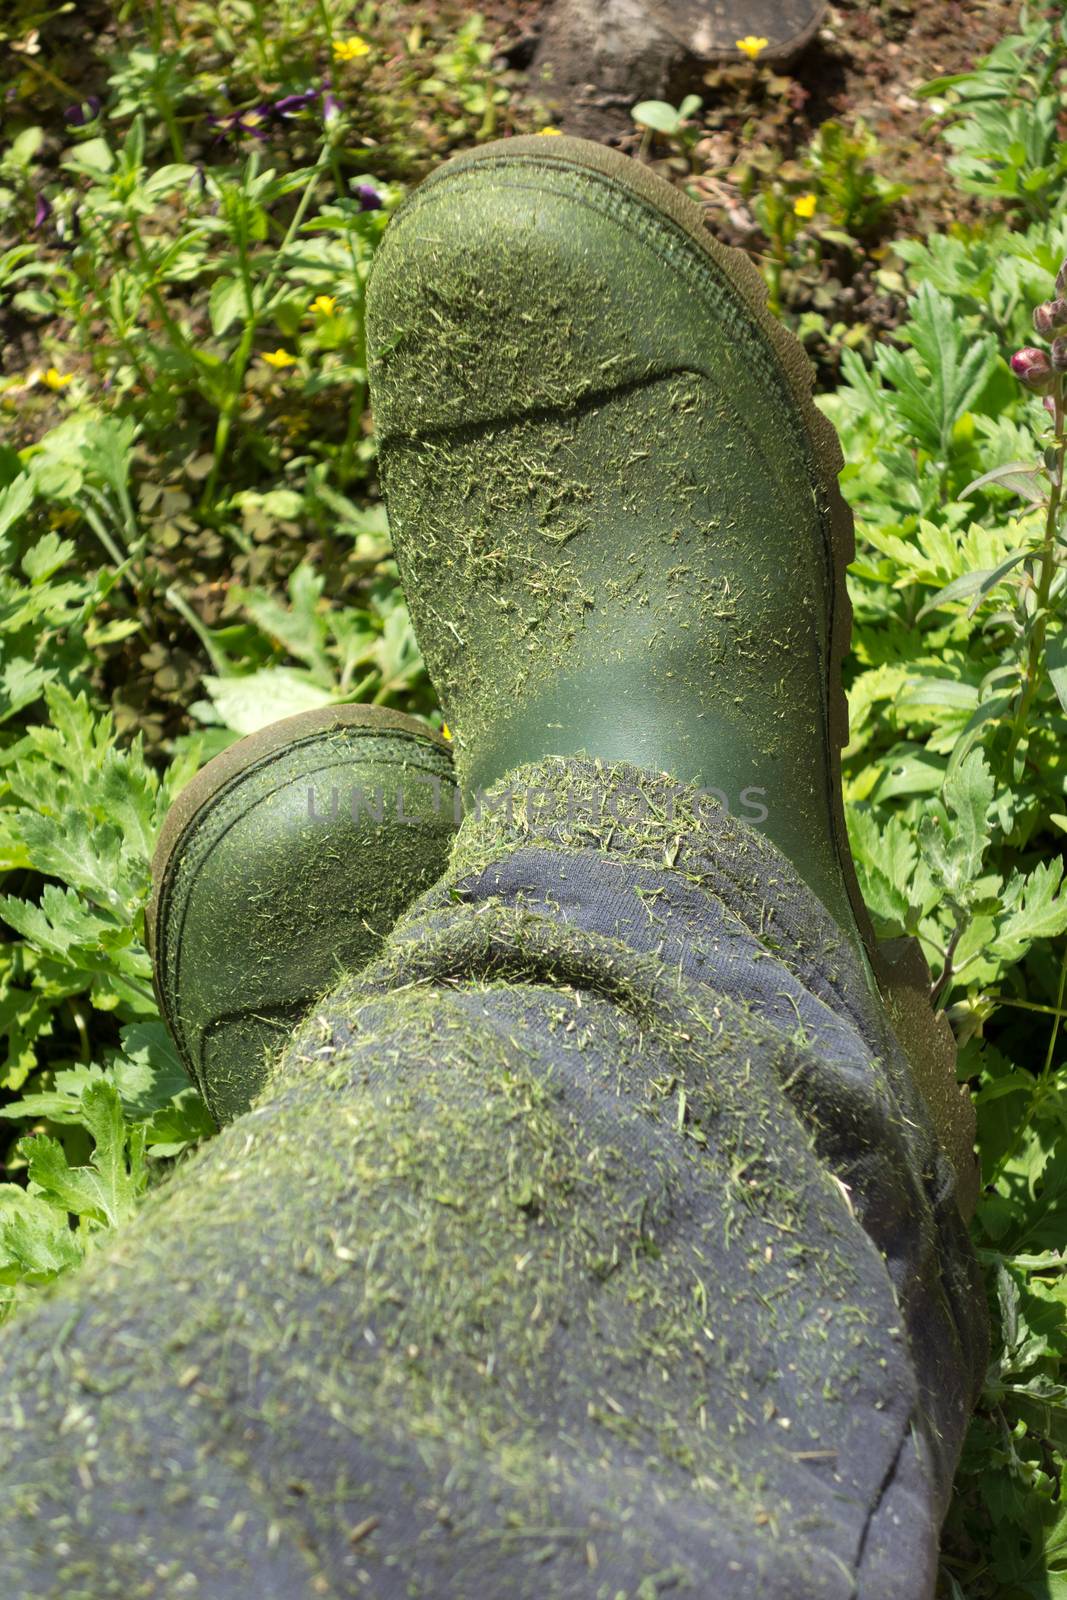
{"x":593,"y":1243}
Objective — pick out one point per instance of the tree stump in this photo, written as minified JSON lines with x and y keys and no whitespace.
{"x":597,"y":58}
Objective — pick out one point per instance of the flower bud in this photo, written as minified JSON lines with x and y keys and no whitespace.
{"x":1033,"y":368}
{"x":88,"y":111}
{"x":1051,"y":318}
{"x":1058,"y":355}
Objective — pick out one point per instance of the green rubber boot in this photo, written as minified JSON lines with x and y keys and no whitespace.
{"x":613,"y":502}
{"x":285,"y":862}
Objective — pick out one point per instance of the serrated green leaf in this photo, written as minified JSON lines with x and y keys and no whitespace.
{"x":226,"y":304}
{"x":182,"y":1122}
{"x":149,"y":1074}
{"x":61,"y":923}
{"x":106,"y":1191}
{"x":36,"y":1241}
{"x":128,"y":795}
{"x":249,"y":703}
{"x":77,"y":739}
{"x":885,"y":854}
{"x":953,"y":367}
{"x":15,"y":500}
{"x":21,"y":683}
{"x":955,"y":849}
{"x":1033,"y":908}
{"x":45,"y":556}
{"x":87,"y":856}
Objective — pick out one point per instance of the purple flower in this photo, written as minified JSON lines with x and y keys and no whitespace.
{"x":289,"y":104}
{"x":331,"y":106}
{"x":1033,"y":368}
{"x":43,"y":212}
{"x":255,"y":122}
{"x":368,"y":197}
{"x":235,"y":123}
{"x":1051,"y":318}
{"x":77,"y":116}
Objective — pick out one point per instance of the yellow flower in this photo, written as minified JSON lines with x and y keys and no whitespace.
{"x":351,"y":49}
{"x":804,"y":205}
{"x":548,"y":133}
{"x":57,"y":380}
{"x":750,"y":46}
{"x":446,"y":730}
{"x":324,"y":305}
{"x":279,"y":358}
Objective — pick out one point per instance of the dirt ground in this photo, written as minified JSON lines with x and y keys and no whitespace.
{"x":867,"y":61}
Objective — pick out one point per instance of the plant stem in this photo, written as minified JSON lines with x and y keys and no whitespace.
{"x":177,"y":338}
{"x":1027,"y":1005}
{"x":184,"y":609}
{"x":1058,"y":1013}
{"x":166,"y":111}
{"x":100,"y":250}
{"x":49,"y":77}
{"x":116,"y":555}
{"x":243,"y":354}
{"x":83,"y":1033}
{"x":345,"y":466}
{"x":941,"y":987}
{"x":1035,"y":654}
{"x":327,"y":24}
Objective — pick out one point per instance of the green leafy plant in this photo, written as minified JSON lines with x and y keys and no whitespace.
{"x":955,"y":779}
{"x":818,"y":212}
{"x":852,"y":193}
{"x":1002,"y":118}
{"x":676,"y":123}
{"x":792,"y":249}
{"x":78,"y":820}
{"x":463,"y":75}
{"x":354,"y":654}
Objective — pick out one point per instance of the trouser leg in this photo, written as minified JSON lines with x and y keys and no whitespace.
{"x":593,"y":1242}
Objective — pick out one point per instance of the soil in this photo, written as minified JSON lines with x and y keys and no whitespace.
{"x":866,"y":61}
